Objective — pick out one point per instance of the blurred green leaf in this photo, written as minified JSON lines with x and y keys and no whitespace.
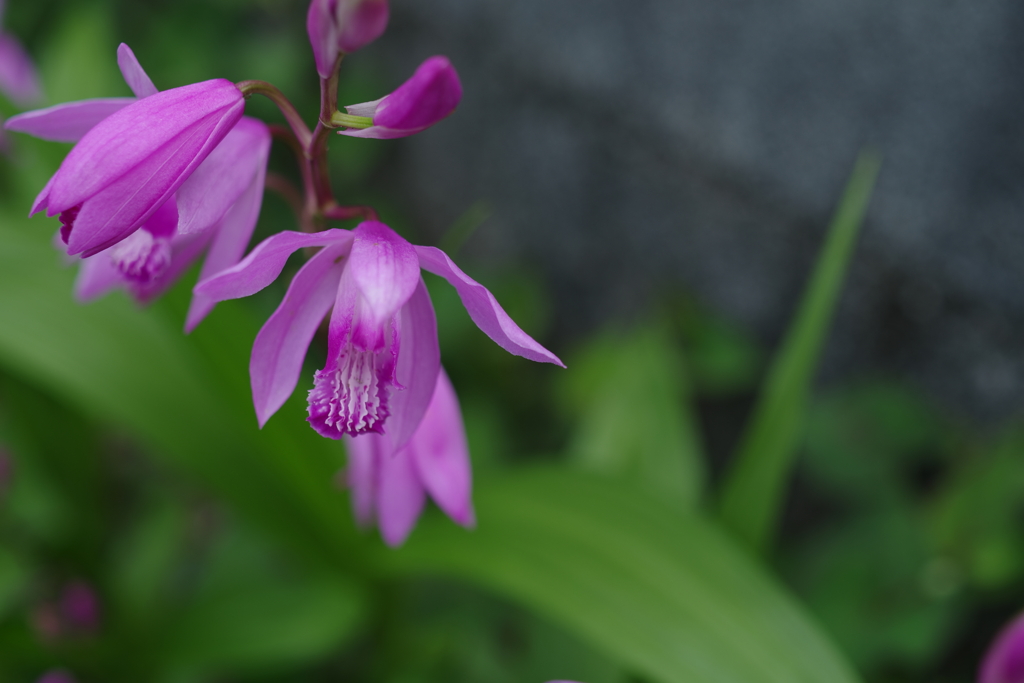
{"x":666,"y":595}
{"x":253,"y":625}
{"x":15,"y":575}
{"x":636,"y":419}
{"x":753,"y":489}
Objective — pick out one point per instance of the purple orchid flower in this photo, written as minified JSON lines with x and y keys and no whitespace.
{"x":132,"y":156}
{"x":18,"y":78}
{"x":341,"y":26}
{"x":432,"y":93}
{"x":56,"y":676}
{"x":214,"y":210}
{"x":383,"y":357}
{"x":390,"y":485}
{"x":1004,"y":661}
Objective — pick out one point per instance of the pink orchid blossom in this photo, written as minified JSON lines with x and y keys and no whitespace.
{"x":432,"y":93}
{"x":341,"y":26}
{"x":215,"y":209}
{"x":56,"y":676}
{"x":132,"y":156}
{"x":18,"y":79}
{"x":390,"y":485}
{"x":382,"y":356}
{"x":1004,"y":661}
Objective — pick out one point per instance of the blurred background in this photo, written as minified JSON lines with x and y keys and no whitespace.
{"x":645,"y":186}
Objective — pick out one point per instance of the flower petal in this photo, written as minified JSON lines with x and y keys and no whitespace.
{"x":385,"y":270}
{"x":220,"y":180}
{"x":418,"y":365}
{"x":364,"y":455}
{"x":441,"y":455}
{"x":400,"y":497}
{"x":66,"y":122}
{"x":484,"y":309}
{"x":134,"y":75}
{"x":232,"y":237}
{"x":185,"y":249}
{"x":17,"y":74}
{"x":281,"y":344}
{"x":323,"y":35}
{"x":1004,"y":661}
{"x":97,"y":275}
{"x":265,"y":262}
{"x":175,"y":128}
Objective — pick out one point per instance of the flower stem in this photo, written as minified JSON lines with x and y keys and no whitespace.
{"x":291,"y":115}
{"x":316,"y":151}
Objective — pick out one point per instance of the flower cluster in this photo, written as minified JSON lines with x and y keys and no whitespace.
{"x":157,"y":180}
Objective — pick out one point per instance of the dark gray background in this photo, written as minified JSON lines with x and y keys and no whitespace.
{"x":626,"y":147}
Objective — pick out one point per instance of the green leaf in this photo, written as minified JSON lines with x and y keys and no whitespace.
{"x":753,"y":490}
{"x":636,"y":420}
{"x":253,"y":625}
{"x":667,"y":595}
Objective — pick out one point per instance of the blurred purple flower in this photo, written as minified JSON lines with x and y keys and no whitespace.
{"x":390,"y":485}
{"x":130,"y":159}
{"x":371,"y":277}
{"x":6,"y":470}
{"x":215,"y":208}
{"x":338,"y":26}
{"x":79,"y":607}
{"x":1004,"y":661}
{"x":56,"y":676}
{"x":18,"y":79}
{"x":432,"y":93}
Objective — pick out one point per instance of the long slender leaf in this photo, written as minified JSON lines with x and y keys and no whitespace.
{"x":752,"y":491}
{"x":667,"y":595}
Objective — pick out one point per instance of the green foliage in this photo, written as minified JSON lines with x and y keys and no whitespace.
{"x":752,"y":493}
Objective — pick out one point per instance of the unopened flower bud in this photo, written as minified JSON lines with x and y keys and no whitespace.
{"x":340,"y":26}
{"x":432,"y":93}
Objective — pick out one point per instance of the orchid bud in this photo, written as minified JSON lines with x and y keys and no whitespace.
{"x":1004,"y":661}
{"x":341,"y":26}
{"x":431,"y":94}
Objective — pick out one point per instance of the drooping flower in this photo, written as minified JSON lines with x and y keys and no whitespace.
{"x":1004,"y":661}
{"x":431,"y":93}
{"x":390,"y":485}
{"x":128,"y":165}
{"x":214,"y":210}
{"x":341,"y":26}
{"x":18,"y":78}
{"x":382,"y":357}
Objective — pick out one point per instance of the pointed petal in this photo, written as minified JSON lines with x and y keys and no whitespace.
{"x":484,"y":309}
{"x":133,"y":73}
{"x":400,"y":497}
{"x":17,"y":74}
{"x":418,"y":365}
{"x":232,"y":236}
{"x":281,"y":344}
{"x":155,"y":139}
{"x":385,"y":270}
{"x":96,"y":276}
{"x":265,"y":262}
{"x":218,"y":182}
{"x":441,"y":454}
{"x":367,"y":109}
{"x":66,"y":122}
{"x":364,"y":455}
{"x":323,"y":35}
